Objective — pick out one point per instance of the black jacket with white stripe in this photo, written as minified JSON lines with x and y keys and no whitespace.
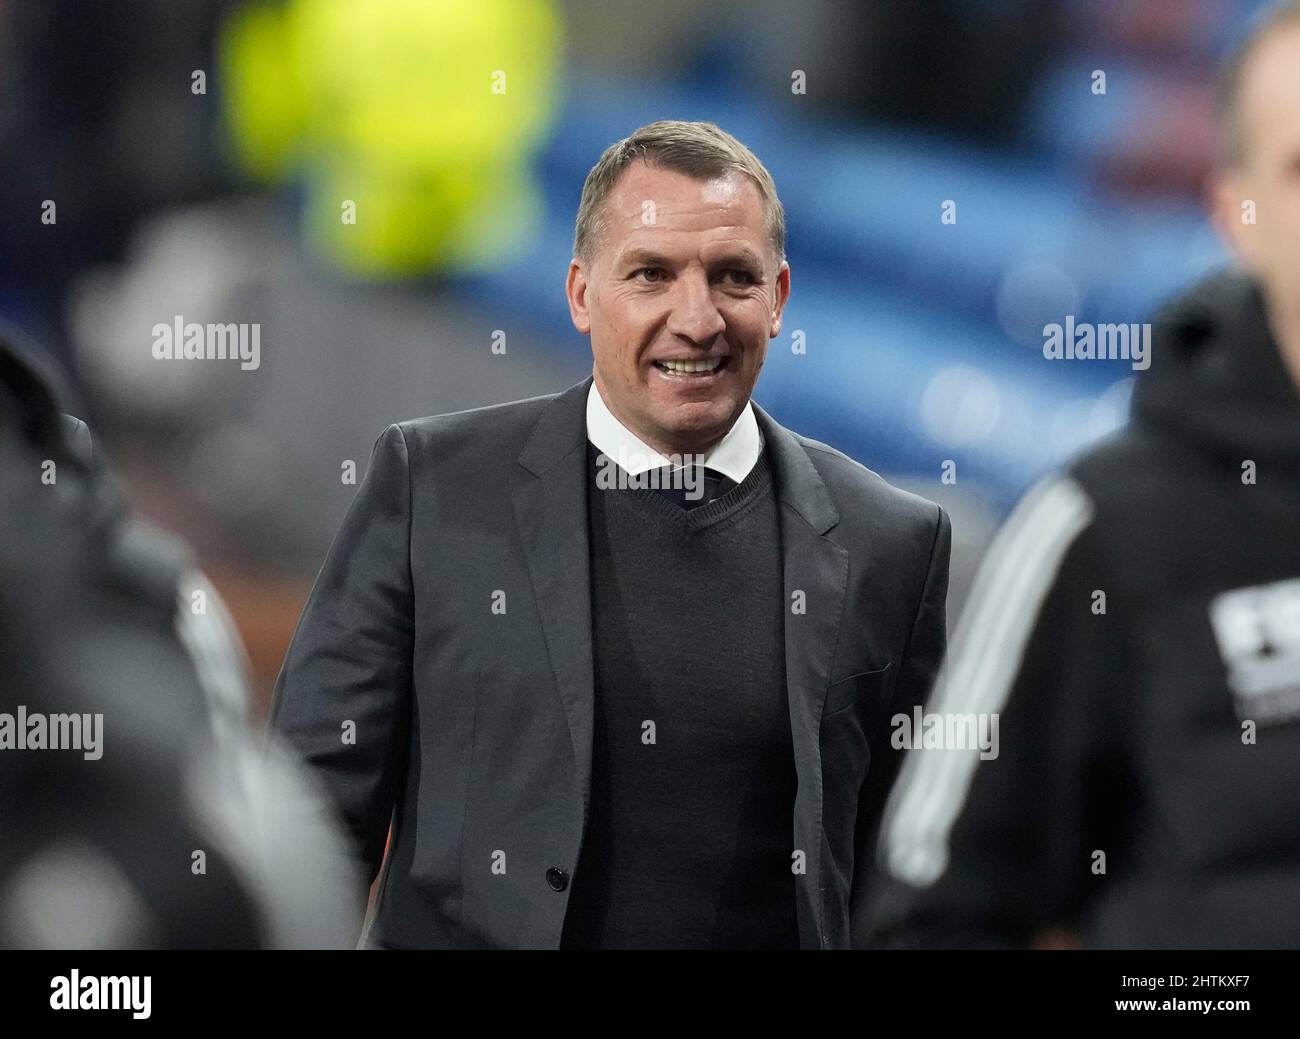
{"x":1136,"y":630}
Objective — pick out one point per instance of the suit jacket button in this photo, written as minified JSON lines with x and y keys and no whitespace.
{"x":557,"y":878}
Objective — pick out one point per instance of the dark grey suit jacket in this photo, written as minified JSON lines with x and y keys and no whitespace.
{"x":441,"y":673}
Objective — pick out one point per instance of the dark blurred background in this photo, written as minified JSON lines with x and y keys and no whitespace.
{"x":201,"y":159}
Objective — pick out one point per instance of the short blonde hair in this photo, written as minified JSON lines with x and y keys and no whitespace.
{"x":700,"y":150}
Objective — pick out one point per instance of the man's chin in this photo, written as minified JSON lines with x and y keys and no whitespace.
{"x":698,"y":431}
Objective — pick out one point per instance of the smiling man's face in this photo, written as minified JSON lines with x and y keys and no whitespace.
{"x":680,"y":296}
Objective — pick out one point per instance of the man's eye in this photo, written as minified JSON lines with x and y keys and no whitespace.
{"x":650,"y":273}
{"x":742,"y":277}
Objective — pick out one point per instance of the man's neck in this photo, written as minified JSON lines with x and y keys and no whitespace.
{"x":657,"y":443}
{"x":671,"y":449}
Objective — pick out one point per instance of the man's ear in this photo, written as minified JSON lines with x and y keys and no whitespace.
{"x":782,"y":294}
{"x":575,"y":288}
{"x":1228,"y":193}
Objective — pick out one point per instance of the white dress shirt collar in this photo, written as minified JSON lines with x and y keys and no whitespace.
{"x":733,"y":456}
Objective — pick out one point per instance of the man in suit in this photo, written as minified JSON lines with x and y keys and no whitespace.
{"x":619,"y":663}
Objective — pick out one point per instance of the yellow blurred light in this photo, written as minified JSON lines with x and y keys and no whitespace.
{"x":424,"y":113}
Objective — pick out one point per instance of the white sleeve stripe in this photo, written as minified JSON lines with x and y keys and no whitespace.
{"x":986,"y":652}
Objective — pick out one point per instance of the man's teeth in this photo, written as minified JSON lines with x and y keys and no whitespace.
{"x":690,"y":367}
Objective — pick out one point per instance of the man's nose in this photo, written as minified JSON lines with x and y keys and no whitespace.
{"x":695,"y":315}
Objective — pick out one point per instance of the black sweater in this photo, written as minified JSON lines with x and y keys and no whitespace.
{"x":688,"y":844}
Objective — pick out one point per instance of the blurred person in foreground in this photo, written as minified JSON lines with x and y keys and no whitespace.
{"x":620,"y":659}
{"x":1136,"y":629}
{"x":137,"y":810}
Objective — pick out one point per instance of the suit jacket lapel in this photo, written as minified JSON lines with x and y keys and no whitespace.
{"x":551,"y":512}
{"x":816,"y":573}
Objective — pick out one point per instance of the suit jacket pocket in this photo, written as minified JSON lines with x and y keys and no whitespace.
{"x":854,"y":689}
